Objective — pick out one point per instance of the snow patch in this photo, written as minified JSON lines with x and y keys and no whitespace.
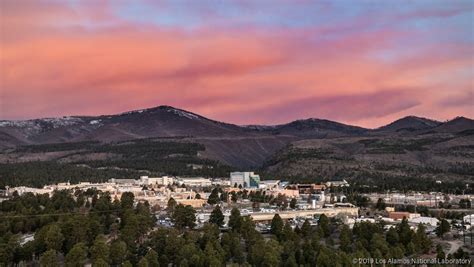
{"x":132,"y":112}
{"x":182,"y":113}
{"x":31,"y":127}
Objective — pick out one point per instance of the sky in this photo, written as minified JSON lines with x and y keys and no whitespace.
{"x":363,"y":62}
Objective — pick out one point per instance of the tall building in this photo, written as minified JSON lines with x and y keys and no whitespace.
{"x":244,"y":179}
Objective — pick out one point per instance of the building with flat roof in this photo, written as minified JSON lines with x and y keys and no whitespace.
{"x":244,"y":179}
{"x":269,"y":184}
{"x":194,"y":181}
{"x":164,"y":180}
{"x":399,"y":215}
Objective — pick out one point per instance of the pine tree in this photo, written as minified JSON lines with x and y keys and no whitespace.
{"x":380,"y":204}
{"x":345,"y":238}
{"x":235,"y":220}
{"x":306,"y":229}
{"x":49,"y":258}
{"x":54,"y":238}
{"x":213,"y":197}
{"x":217,"y":217}
{"x":421,"y":241}
{"x":440,"y":252}
{"x":76,"y":256}
{"x":118,"y":252}
{"x":100,"y":249}
{"x":171,"y":205}
{"x":293,"y":203}
{"x":443,"y":228}
{"x":184,"y":216}
{"x":276,"y":226}
{"x":323,"y":224}
{"x":152,"y":258}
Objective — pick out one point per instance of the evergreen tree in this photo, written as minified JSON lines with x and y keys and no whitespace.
{"x":405,"y":234}
{"x":127,"y":200}
{"x":76,"y":256}
{"x":421,"y":241}
{"x":293,"y":203}
{"x":152,"y":258}
{"x":54,"y":238}
{"x":306,"y":229}
{"x":143,"y":262}
{"x":323,"y":224}
{"x":276,"y":226}
{"x":184,"y":216}
{"x":217,"y":217}
{"x":213,"y":197}
{"x":171,"y":205}
{"x":392,"y":236}
{"x":443,"y":227}
{"x":287,"y":233}
{"x":49,"y":258}
{"x":345,"y":238}
{"x":440,"y":252}
{"x":235,"y":220}
{"x":380,"y":204}
{"x":118,"y":252}
{"x":100,"y":249}
{"x":324,"y":258}
{"x":100,"y":263}
{"x":379,"y":246}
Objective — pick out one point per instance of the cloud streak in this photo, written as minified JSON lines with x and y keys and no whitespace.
{"x":59,"y":59}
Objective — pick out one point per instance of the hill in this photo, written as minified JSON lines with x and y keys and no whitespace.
{"x":152,"y":141}
{"x":409,"y":124}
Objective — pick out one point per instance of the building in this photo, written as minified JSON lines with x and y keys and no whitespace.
{"x":399,"y":215}
{"x":244,"y":179}
{"x":123,"y":181}
{"x":290,"y":193}
{"x":269,"y":184}
{"x":150,"y":181}
{"x":342,"y":183}
{"x":195,"y":181}
{"x":424,"y":220}
{"x":307,"y":188}
{"x":468,"y":218}
{"x":195,"y":203}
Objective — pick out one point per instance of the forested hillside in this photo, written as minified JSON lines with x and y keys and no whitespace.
{"x":98,"y":162}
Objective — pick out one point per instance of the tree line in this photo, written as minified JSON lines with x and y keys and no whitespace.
{"x":74,"y":228}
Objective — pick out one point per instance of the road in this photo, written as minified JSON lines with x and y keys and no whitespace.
{"x":454,"y":246}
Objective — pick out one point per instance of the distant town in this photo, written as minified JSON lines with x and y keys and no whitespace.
{"x":265,"y":200}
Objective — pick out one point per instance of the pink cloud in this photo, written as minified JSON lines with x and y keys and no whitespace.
{"x":243,"y":75}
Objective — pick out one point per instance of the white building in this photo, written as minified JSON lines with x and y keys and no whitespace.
{"x":424,"y":220}
{"x":244,"y":179}
{"x":194,"y":181}
{"x":342,"y":183}
{"x":269,"y":184}
{"x":164,"y":180}
{"x":468,"y":218}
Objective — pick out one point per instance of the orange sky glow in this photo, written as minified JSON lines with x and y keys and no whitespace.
{"x":62,"y":58}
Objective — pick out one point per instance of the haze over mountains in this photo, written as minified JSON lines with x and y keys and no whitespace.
{"x":241,"y":146}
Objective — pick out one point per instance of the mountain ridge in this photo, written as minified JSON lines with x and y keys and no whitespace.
{"x":232,"y":144}
{"x":168,"y":107}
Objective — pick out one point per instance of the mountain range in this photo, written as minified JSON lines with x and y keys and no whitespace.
{"x":241,"y":146}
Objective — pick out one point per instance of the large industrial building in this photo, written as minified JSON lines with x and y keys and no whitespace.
{"x":244,"y":179}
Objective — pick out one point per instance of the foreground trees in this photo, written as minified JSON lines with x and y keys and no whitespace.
{"x":122,"y":234}
{"x":184,"y":217}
